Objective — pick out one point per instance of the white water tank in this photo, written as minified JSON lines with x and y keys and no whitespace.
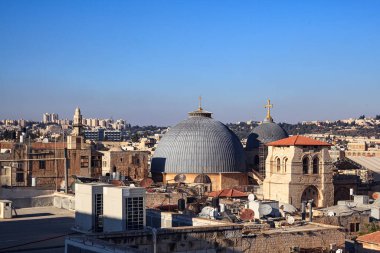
{"x":5,"y":209}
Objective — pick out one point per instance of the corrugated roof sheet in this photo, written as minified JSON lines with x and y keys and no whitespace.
{"x":298,"y":140}
{"x":370,"y":163}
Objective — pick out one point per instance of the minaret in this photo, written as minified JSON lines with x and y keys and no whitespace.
{"x":269,"y":106}
{"x":76,"y":139}
{"x":77,"y":124}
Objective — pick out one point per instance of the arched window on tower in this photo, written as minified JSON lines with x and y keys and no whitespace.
{"x":285,"y":164}
{"x":305,"y":165}
{"x":278,"y":164}
{"x":256,"y":162}
{"x":316,"y":165}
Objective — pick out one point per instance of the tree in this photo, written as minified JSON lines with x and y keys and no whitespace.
{"x":135,"y":138}
{"x":362,"y":116}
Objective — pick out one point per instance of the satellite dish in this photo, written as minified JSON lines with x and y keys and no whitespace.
{"x":180,"y":178}
{"x":290,"y":220}
{"x":376,"y":195}
{"x":251,"y":197}
{"x":247,"y":215}
{"x":206,"y":212}
{"x":330,"y":213}
{"x":146,"y":182}
{"x":265,"y":209}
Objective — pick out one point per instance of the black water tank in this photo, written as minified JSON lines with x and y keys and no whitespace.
{"x":215,"y":202}
{"x":181,"y":205}
{"x":191,"y":200}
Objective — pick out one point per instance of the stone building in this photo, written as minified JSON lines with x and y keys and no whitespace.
{"x":256,"y":150}
{"x":131,"y":164}
{"x":298,"y":169}
{"x":204,"y":150}
{"x":42,"y":164}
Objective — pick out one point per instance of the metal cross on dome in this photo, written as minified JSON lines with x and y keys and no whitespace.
{"x":269,"y":106}
{"x":200,"y":103}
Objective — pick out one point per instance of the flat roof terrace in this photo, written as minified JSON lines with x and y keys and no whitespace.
{"x":38,"y":229}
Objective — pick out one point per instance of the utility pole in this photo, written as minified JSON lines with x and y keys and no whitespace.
{"x":66,"y":171}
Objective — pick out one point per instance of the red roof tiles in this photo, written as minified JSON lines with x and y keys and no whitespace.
{"x":373,"y":238}
{"x":227,"y":193}
{"x":298,"y":140}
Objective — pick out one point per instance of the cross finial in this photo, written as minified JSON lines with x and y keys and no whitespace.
{"x":269,"y":106}
{"x":200,"y":103}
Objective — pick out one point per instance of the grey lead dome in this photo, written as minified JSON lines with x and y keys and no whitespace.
{"x":199,"y":144}
{"x":266,"y":132}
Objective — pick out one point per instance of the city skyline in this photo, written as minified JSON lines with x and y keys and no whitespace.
{"x":147,"y":62}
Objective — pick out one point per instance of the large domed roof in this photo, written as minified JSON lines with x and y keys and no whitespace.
{"x":199,"y":144}
{"x":267,"y":132}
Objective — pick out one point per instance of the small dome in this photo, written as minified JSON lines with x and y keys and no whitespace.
{"x":202,"y":179}
{"x":198,"y":145}
{"x":267,"y":132}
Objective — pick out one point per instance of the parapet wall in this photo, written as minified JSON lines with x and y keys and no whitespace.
{"x":215,"y":238}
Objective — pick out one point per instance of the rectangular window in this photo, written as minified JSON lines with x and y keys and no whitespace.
{"x":84,"y":161}
{"x":42,"y":164}
{"x":135,"y":160}
{"x":19,"y":177}
{"x":354,"y":227}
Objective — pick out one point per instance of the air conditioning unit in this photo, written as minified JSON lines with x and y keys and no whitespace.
{"x":89,"y":207}
{"x":16,"y":165}
{"x":124,"y":208}
{"x":5,"y":209}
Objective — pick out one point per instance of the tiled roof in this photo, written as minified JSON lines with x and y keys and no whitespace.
{"x":228,"y":193}
{"x":298,"y":140}
{"x":373,"y":238}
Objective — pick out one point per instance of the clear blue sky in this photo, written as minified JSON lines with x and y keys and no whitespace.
{"x":148,"y":61}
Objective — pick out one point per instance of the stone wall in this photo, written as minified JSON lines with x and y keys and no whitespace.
{"x":158,"y":199}
{"x":217,"y":238}
{"x":345,"y":221}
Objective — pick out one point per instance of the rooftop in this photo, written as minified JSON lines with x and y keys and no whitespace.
{"x":373,"y":238}
{"x":37,"y":229}
{"x":298,"y":140}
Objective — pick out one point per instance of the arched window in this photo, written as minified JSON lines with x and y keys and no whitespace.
{"x":305,"y":165}
{"x":316,"y":165}
{"x":278,"y":164}
{"x":285,"y":162}
{"x":257,"y":160}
